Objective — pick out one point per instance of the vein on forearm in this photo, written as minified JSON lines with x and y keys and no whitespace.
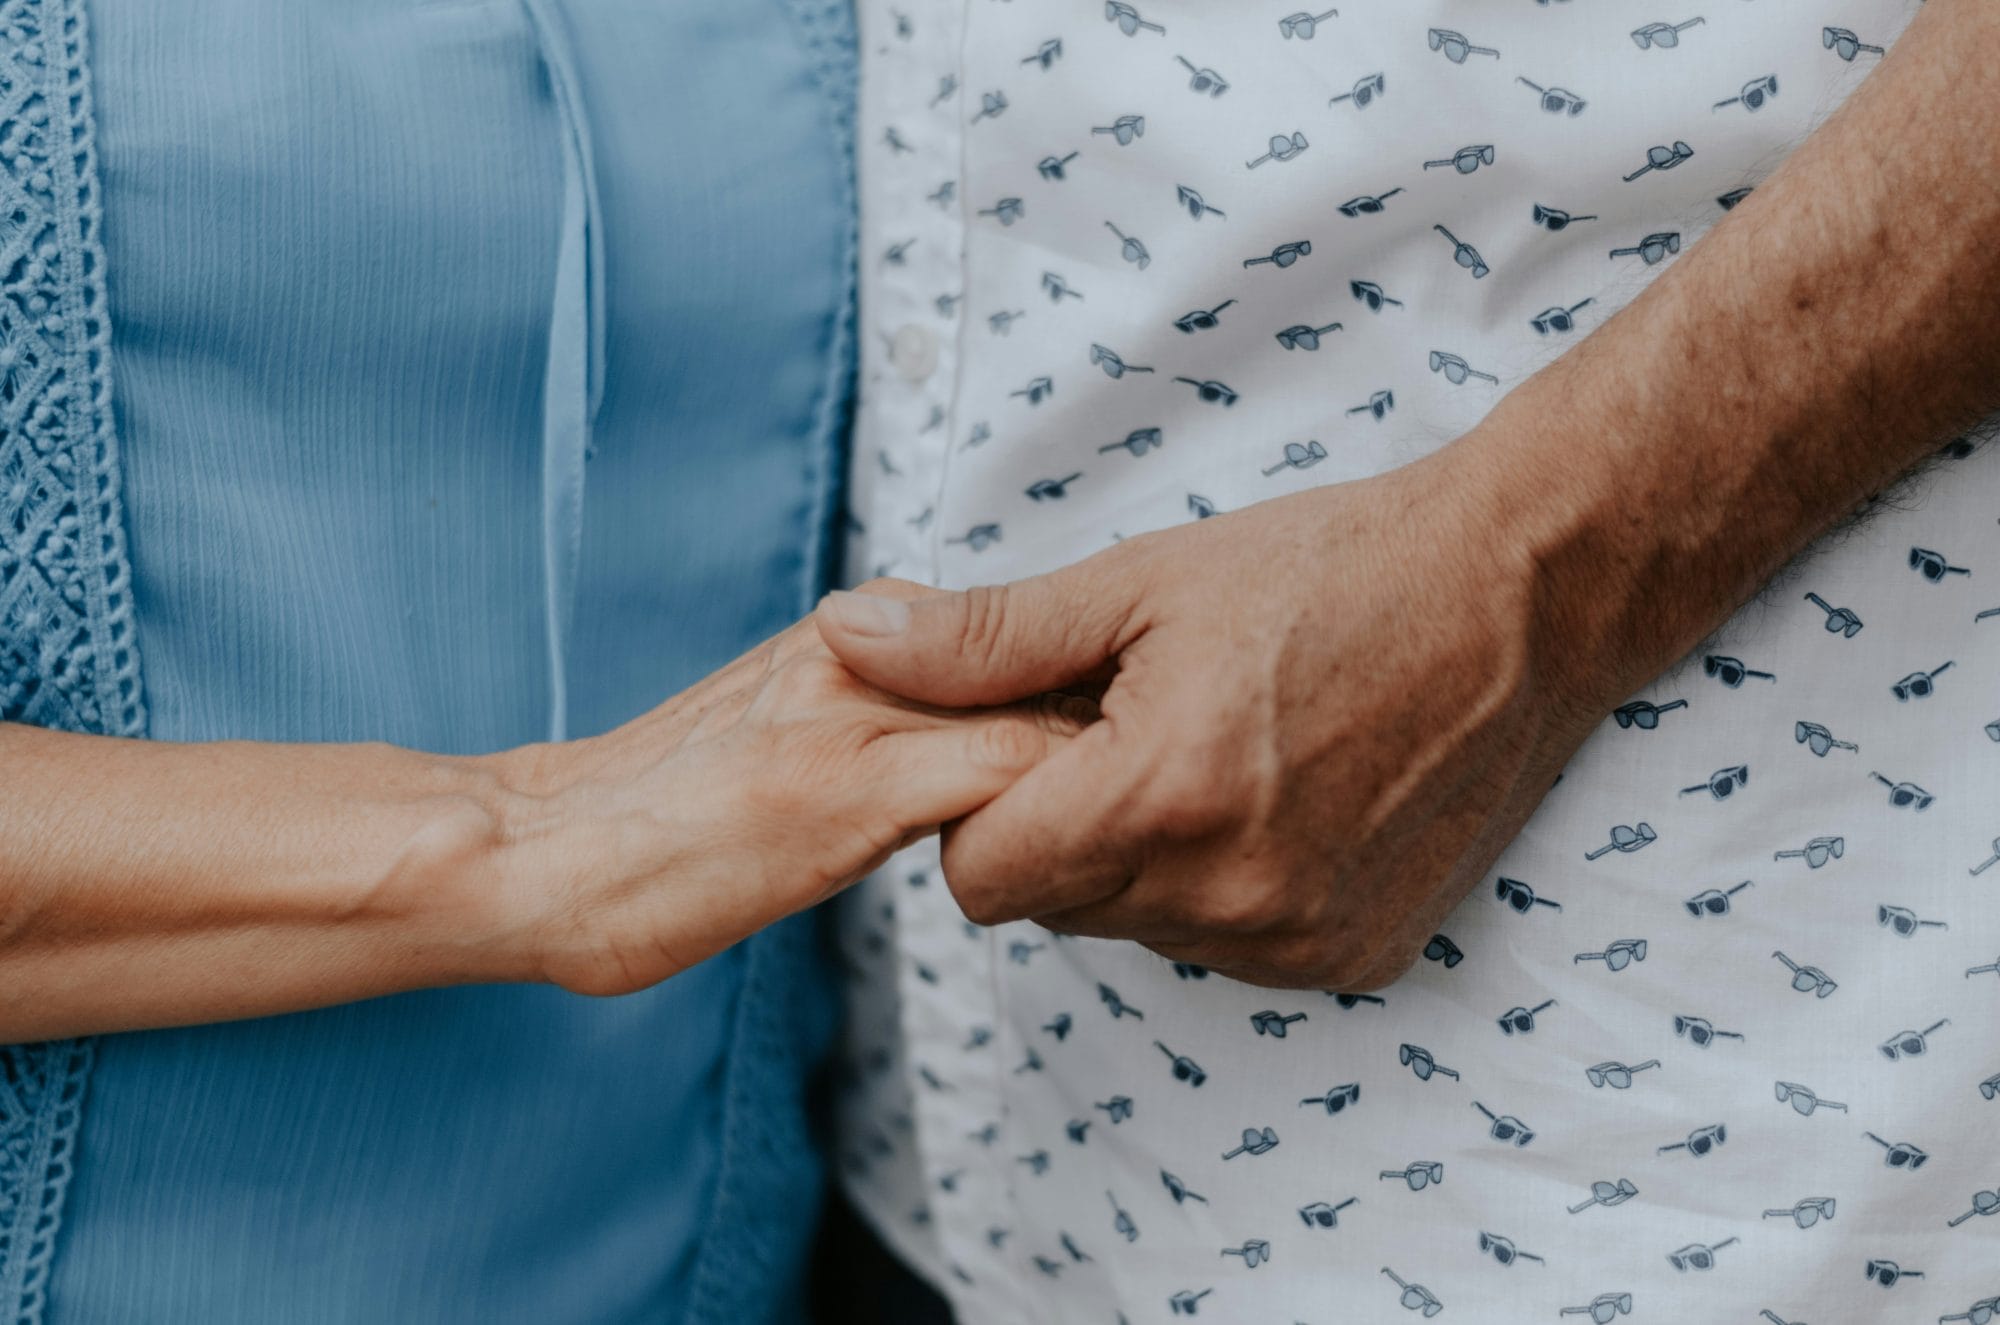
{"x":1824,"y":338}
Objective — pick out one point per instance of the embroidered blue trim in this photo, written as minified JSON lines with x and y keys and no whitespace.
{"x":784,"y":1016}
{"x":68,"y":658}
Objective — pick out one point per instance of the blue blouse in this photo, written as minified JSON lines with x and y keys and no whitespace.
{"x":475,"y":372}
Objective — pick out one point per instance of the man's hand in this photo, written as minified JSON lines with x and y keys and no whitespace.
{"x":1327,"y":714}
{"x":1321,"y":725}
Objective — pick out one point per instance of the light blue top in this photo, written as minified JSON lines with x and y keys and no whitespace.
{"x":475,"y":368}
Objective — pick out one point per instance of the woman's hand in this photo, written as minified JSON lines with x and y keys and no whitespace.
{"x":766,"y":788}
{"x":147,"y":884}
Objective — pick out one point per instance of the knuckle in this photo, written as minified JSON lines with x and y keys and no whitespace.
{"x":1183,"y":800}
{"x":1243,"y":904}
{"x":1009,"y":744}
{"x":983,"y":630}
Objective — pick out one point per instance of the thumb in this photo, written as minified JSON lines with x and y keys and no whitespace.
{"x":989,"y":645}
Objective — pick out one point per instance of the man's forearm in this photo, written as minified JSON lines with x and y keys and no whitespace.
{"x":1842,"y":322}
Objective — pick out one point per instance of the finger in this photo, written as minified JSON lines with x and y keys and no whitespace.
{"x":1048,"y":842}
{"x":933,"y":774}
{"x":992,"y":644}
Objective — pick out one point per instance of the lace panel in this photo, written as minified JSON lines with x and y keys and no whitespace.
{"x":67,"y":655}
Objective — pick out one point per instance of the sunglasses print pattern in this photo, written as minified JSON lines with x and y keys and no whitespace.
{"x":1251,"y":251}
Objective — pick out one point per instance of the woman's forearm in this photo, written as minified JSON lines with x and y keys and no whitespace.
{"x":1833,"y":330}
{"x":150,"y":884}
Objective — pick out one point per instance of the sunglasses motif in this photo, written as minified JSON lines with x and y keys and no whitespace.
{"x":1627,"y":838}
{"x":1131,"y":249}
{"x":1808,"y":979}
{"x":1113,"y":366}
{"x":1256,"y":1140}
{"x":1298,"y":456}
{"x":1254,"y":1252}
{"x":1653,"y":248}
{"x":1731,"y":671}
{"x":1753,"y":94}
{"x":1179,"y":1190}
{"x":1211,"y":391}
{"x":1303,"y":25}
{"x":1700,"y":1142}
{"x":1204,"y":80}
{"x":1603,"y":1307}
{"x":1918,"y":685}
{"x":1932,"y":565}
{"x":1522,"y":1020}
{"x":1118,"y":1108}
{"x":1457,"y":370}
{"x":1714,"y":901}
{"x":1839,"y":620}
{"x":1902,"y":1155}
{"x":1201,"y":319}
{"x":1124,"y":129}
{"x":1046,"y":56}
{"x":1057,"y":288}
{"x":1196,"y":205}
{"x":1379,"y":403}
{"x":1607,"y":1194}
{"x":1886,"y":1273}
{"x":1419,"y":1175}
{"x":1556,"y":318}
{"x":1617,"y":956}
{"x":1504,"y":1251}
{"x":1138,"y":442}
{"x":1185,"y":1068}
{"x":1466,"y":159}
{"x":1903,"y":921}
{"x":1273,"y":1023}
{"x":1722,"y":782}
{"x":1348,"y":1002}
{"x":1302,"y":337}
{"x":1816,"y":852}
{"x":1802,"y":1100}
{"x":1051,"y":489}
{"x":1365,"y":90}
{"x":1455,"y":46}
{"x":1983,"y":1203}
{"x":1700,"y":1032}
{"x":1117,"y":1006}
{"x":978,"y":538}
{"x":1281,"y":148}
{"x":1052,"y":167}
{"x":1555,"y":218}
{"x":1807,"y":1212}
{"x":1006,"y":211}
{"x":1697,"y":1255}
{"x":1284,"y":255}
{"x":1419,"y":1060}
{"x":1121,"y":1220}
{"x":1988,"y":969}
{"x":1371,"y":294}
{"x":1910,"y":1044}
{"x":1129,"y":23}
{"x":1905,"y":795}
{"x":1442,"y":949}
{"x":1845,"y":44}
{"x":1982,"y":1312}
{"x":1519,"y":895}
{"x":1465,"y":254}
{"x":1184,"y":1303}
{"x":1662,"y":158}
{"x":1321,"y":1215}
{"x":1556,"y":100}
{"x":1506,"y":1127}
{"x":1990,"y":861}
{"x":1819,"y":739}
{"x":1336,"y":1099}
{"x":1368,"y":204}
{"x":1415,"y":1296}
{"x":1615,"y":1074}
{"x":1729,"y":200}
{"x":1664,"y":35}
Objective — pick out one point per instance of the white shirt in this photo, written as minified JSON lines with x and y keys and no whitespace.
{"x":1074,"y":1130}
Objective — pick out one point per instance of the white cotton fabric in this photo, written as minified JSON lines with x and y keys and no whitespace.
{"x":1017,"y":1136}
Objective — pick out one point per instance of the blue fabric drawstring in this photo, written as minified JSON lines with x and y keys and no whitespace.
{"x":573,"y":380}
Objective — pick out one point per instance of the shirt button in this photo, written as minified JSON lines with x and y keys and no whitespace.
{"x":914,"y":351}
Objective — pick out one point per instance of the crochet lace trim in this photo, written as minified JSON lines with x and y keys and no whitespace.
{"x":68,"y":659}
